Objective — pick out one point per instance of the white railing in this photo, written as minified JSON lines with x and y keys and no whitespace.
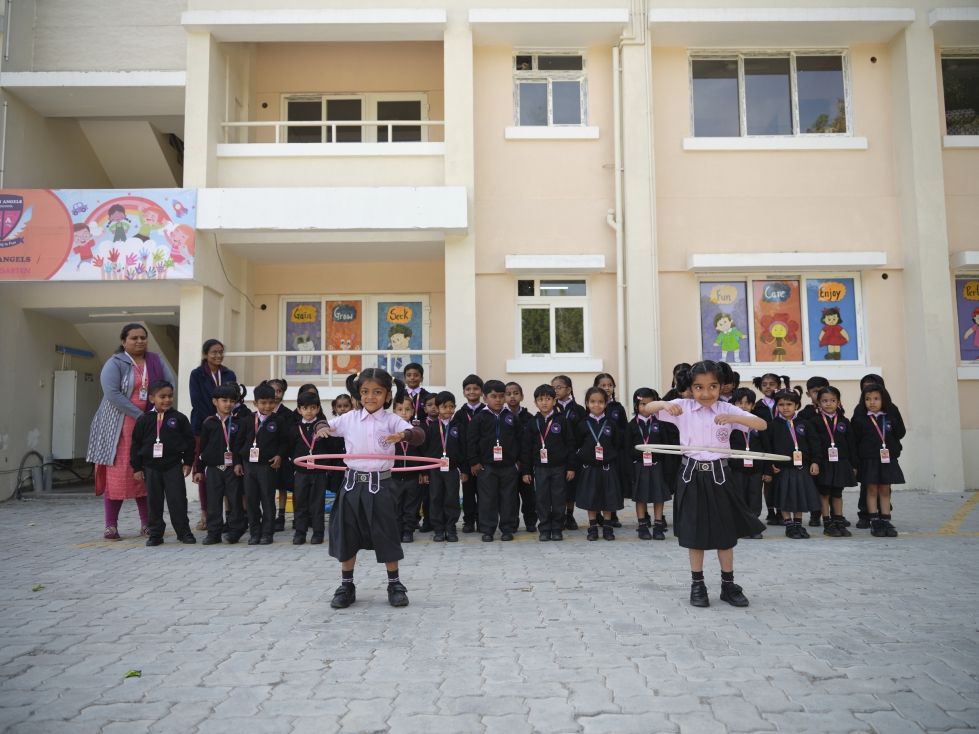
{"x":332,"y":124}
{"x":391,"y":354}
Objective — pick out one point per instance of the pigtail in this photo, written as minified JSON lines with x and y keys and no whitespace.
{"x":756,"y":381}
{"x":352,"y":386}
{"x":399,"y":395}
{"x":683,"y":381}
{"x":725,"y":373}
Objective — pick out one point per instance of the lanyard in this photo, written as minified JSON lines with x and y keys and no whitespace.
{"x":404,"y":452}
{"x":215,"y":378}
{"x":747,"y":440}
{"x":159,"y":423}
{"x":418,"y":397}
{"x":498,"y":416}
{"x":227,"y":439}
{"x":596,"y":436}
{"x":792,"y":431}
{"x":143,"y":375}
{"x":442,"y":435}
{"x":257,"y":426}
{"x":649,"y":430}
{"x":547,"y":429}
{"x":882,"y":434}
{"x":832,"y":431}
{"x":303,"y":436}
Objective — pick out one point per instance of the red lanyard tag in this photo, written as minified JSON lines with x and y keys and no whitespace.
{"x":748,"y":463}
{"x":796,"y":455}
{"x":833,"y":453}
{"x":308,"y":443}
{"x":253,"y":452}
{"x":885,"y":453}
{"x":647,"y":456}
{"x":229,"y":458}
{"x":158,"y":447}
{"x":543,"y":439}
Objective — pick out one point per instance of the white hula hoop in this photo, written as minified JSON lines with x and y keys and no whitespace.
{"x":658,"y":448}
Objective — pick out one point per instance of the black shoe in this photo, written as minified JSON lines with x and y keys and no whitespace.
{"x":254,"y":540}
{"x":451,"y":536}
{"x":316,"y":540}
{"x":231,"y":538}
{"x":487,"y":537}
{"x":407,"y":537}
{"x":771,"y":519}
{"x":569,"y":522}
{"x":698,"y":594}
{"x":731,"y":593}
{"x":468,"y":527}
{"x":506,"y":536}
{"x":344,"y":596}
{"x":815,"y":520}
{"x":779,"y":520}
{"x":843,"y":522}
{"x":211,"y":540}
{"x":426,"y":527}
{"x":557,"y":535}
{"x":644,"y":533}
{"x":225,"y":529}
{"x":397,"y":594}
{"x":889,"y":530}
{"x":792,"y":531}
{"x":280,"y":523}
{"x":802,"y":531}
{"x":593,"y":532}
{"x":863,"y":522}
{"x":665,"y":525}
{"x":614,"y":521}
{"x":844,"y":533}
{"x":154,"y":540}
{"x":756,"y":536}
{"x":544,"y":537}
{"x":439,"y":537}
{"x":659,"y":530}
{"x":532,"y":528}
{"x":298,"y":539}
{"x":187,"y":539}
{"x":607,"y":532}
{"x":266,"y":540}
{"x":830,"y":528}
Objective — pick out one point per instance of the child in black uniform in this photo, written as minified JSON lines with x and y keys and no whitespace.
{"x":258,"y":456}
{"x":769,"y":384}
{"x":309,"y":486}
{"x":573,"y":413}
{"x":285,"y":474}
{"x":878,"y":430}
{"x":649,"y":486}
{"x":444,"y":440}
{"x":548,"y":446}
{"x":493,"y":448}
{"x":599,"y":447}
{"x":161,"y":455}
{"x":810,"y":413}
{"x":431,"y":412}
{"x":408,"y":485}
{"x":528,"y":502}
{"x":472,"y":391}
{"x":334,"y":444}
{"x":616,"y":412}
{"x":795,"y":491}
{"x":414,"y":374}
{"x":216,"y":459}
{"x":749,"y":475}
{"x":863,"y":516}
{"x":839,"y":449}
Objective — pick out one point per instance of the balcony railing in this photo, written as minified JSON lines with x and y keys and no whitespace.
{"x":332,"y":125}
{"x":276,"y":367}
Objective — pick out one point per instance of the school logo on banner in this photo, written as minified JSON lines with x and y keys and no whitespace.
{"x":13,"y":219}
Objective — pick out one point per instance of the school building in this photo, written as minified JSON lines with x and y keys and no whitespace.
{"x":518,"y":189}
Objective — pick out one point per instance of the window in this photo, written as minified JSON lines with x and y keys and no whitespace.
{"x":355,"y":108}
{"x":760,"y":320}
{"x":767,"y":94}
{"x":549,"y":89}
{"x":960,"y":81}
{"x":552,"y":317}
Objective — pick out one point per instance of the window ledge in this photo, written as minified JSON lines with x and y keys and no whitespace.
{"x":541,"y":132}
{"x":960,"y":141}
{"x":553,"y":365}
{"x":324,"y":150}
{"x":969,"y":371}
{"x":800,"y":373}
{"x":786,"y":142}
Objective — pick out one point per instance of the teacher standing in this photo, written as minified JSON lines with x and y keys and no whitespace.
{"x":126,"y":379}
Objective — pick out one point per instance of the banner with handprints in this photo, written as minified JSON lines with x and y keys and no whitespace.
{"x":97,"y":234}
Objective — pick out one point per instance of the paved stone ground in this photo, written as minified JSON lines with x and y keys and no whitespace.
{"x":841,"y":635}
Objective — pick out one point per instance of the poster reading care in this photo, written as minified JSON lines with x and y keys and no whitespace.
{"x":97,"y":234}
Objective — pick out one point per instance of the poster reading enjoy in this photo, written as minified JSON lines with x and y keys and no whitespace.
{"x":832,"y":319}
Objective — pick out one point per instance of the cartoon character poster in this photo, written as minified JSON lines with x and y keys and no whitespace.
{"x":967,"y":306}
{"x":96,"y":234}
{"x":778,"y":315}
{"x":304,"y":327}
{"x":344,"y":330}
{"x":832,"y":319}
{"x":399,"y":327}
{"x":724,"y":321}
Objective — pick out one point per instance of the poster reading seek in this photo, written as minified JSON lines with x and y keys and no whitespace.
{"x":97,"y":234}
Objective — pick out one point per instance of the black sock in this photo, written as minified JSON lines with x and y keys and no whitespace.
{"x":282,"y":512}
{"x":593,"y":521}
{"x":698,"y":577}
{"x":347,"y":577}
{"x":393,"y":576}
{"x":727,"y":577}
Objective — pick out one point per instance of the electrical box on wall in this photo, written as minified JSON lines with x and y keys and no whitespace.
{"x":76,"y":398}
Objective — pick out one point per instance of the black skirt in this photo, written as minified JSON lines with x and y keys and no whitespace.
{"x":836,"y":474}
{"x":650,"y":485}
{"x":365,"y":520}
{"x":710,"y":516}
{"x":599,"y":490}
{"x":795,"y":490}
{"x":874,"y":471}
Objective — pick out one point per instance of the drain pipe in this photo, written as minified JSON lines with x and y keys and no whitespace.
{"x":6,"y":32}
{"x":614,"y":220}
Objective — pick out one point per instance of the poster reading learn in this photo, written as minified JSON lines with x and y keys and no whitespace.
{"x":97,"y":234}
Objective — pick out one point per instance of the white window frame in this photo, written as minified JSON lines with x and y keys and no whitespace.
{"x":552,"y":302}
{"x":368,"y":109}
{"x":953,"y":53}
{"x":793,"y":54}
{"x":548,"y":77}
{"x":807,"y":360}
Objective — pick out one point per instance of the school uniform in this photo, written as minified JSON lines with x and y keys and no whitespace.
{"x":599,"y":489}
{"x":765,"y":408}
{"x":498,"y":498}
{"x":747,"y":479}
{"x":285,"y":476}
{"x":216,"y":461}
{"x":646,"y":468}
{"x":872,"y":433}
{"x":809,"y":413}
{"x":309,"y":486}
{"x":548,"y":448}
{"x":795,"y":488}
{"x":615,"y":411}
{"x":334,"y":477}
{"x":470,"y":489}
{"x":574,"y":414}
{"x":267,"y":434}
{"x":365,"y":511}
{"x":164,"y":475}
{"x":709,"y":513}
{"x":444,"y":441}
{"x":407,"y":487}
{"x":528,"y":499}
{"x":835,"y":432}
{"x":418,"y":397}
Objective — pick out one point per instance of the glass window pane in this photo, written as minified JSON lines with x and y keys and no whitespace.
{"x":525,"y":63}
{"x":559,"y":63}
{"x":533,"y":103}
{"x":566,"y":100}
{"x":960,"y":78}
{"x":562,"y":288}
{"x":569,"y":330}
{"x":304,"y":111}
{"x":344,"y":109}
{"x":768,"y":103}
{"x":535,"y":331}
{"x":715,"y":98}
{"x":822,"y":108}
{"x":401,"y":110}
{"x":525,"y":287}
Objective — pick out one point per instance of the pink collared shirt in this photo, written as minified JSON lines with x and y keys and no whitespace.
{"x":364,"y":433}
{"x":697,"y":427}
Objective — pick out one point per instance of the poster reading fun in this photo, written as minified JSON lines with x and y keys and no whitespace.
{"x":95,"y":234}
{"x":399,"y":327}
{"x":724,"y":322}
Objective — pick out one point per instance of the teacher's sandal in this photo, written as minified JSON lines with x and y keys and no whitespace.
{"x":111,"y":533}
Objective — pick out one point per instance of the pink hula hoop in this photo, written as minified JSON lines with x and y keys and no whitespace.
{"x":308,"y":462}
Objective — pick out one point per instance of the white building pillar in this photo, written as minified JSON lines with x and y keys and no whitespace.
{"x":203,"y":110}
{"x":933,"y":409}
{"x":460,"y":251}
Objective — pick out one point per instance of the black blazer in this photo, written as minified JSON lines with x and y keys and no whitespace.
{"x":609,"y":437}
{"x":175,"y":435}
{"x":869,"y":443}
{"x":482,"y":435}
{"x":805,"y":436}
{"x":560,"y":442}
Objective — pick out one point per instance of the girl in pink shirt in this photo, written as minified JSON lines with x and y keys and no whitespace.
{"x":364,"y":515}
{"x":708,"y":512}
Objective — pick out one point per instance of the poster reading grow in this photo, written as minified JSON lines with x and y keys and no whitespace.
{"x":967,"y":306}
{"x":832,"y":319}
{"x":344,"y":331}
{"x":97,"y":234}
{"x":778,"y":314}
{"x":724,"y":321}
{"x":399,"y":327}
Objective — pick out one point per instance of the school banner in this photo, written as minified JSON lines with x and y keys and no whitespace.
{"x":97,"y":234}
{"x":967,"y":306}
